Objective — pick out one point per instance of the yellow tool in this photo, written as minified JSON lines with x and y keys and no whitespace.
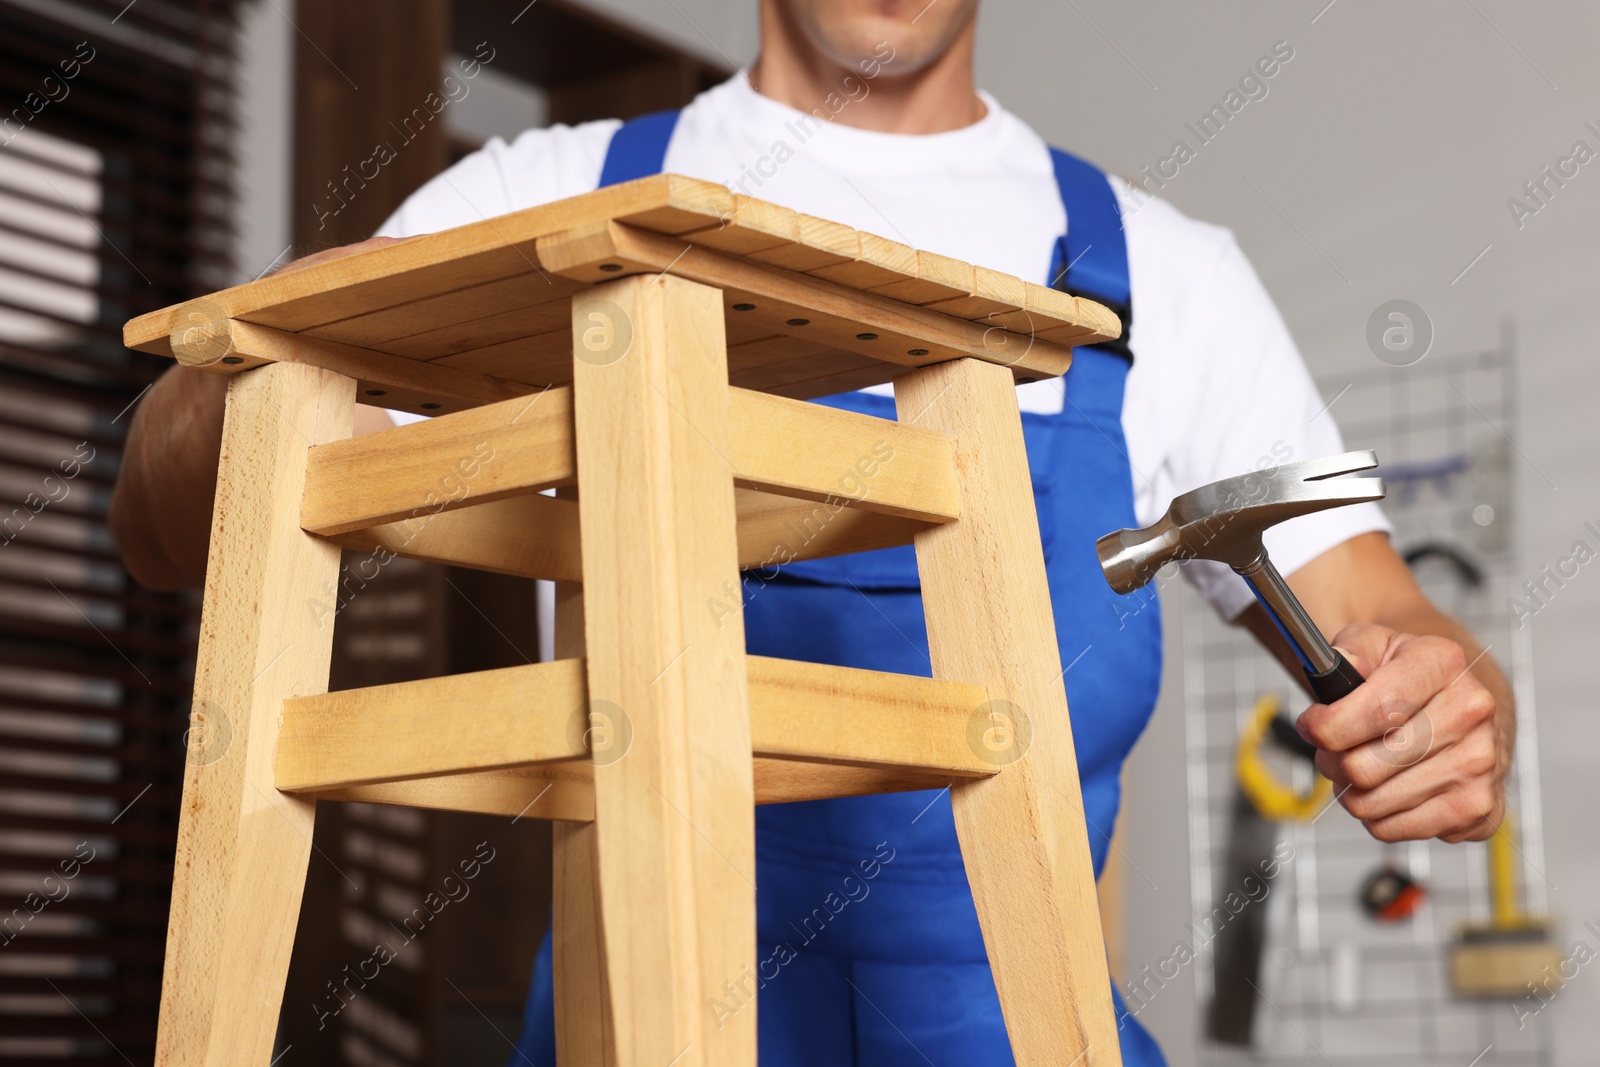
{"x":1513,"y":953}
{"x":1275,"y":801}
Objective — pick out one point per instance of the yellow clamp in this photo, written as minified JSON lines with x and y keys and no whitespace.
{"x":1275,"y":801}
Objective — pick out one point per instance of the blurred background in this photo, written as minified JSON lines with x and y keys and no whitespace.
{"x":1411,"y":188}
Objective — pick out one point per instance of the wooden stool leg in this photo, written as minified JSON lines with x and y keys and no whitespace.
{"x":675,"y":814}
{"x":1022,"y":831}
{"x":583,"y":1007}
{"x":584,"y":1036}
{"x":243,"y":846}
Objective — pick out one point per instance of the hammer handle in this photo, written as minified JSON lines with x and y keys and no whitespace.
{"x":1336,"y":682}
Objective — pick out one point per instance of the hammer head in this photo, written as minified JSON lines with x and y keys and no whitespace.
{"x":1224,"y":520}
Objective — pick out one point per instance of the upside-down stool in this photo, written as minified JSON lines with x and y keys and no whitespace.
{"x":646,"y":350}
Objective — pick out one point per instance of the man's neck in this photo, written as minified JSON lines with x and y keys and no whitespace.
{"x":941,"y":96}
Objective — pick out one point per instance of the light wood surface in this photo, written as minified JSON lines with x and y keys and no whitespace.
{"x":565,"y":791}
{"x":381,"y":379}
{"x":242,"y":846}
{"x":524,"y":445}
{"x":585,"y":1035}
{"x":562,"y":791}
{"x":399,"y":276}
{"x":491,"y":452}
{"x":536,"y":536}
{"x":676,"y":814}
{"x":518,"y":716}
{"x":876,"y":323}
{"x":529,"y":536}
{"x":485,"y":299}
{"x":1022,"y":831}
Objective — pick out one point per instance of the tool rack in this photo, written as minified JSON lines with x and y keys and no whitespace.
{"x":1445,"y":429}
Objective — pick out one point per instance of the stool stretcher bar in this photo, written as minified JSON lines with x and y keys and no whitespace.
{"x":540,"y":713}
{"x":537,"y":536}
{"x":525,"y":445}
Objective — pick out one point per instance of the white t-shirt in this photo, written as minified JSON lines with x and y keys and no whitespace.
{"x":1217,"y":386}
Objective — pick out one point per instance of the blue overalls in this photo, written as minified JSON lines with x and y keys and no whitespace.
{"x":869,"y":948}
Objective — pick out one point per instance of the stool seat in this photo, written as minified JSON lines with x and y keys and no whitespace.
{"x":619,"y":381}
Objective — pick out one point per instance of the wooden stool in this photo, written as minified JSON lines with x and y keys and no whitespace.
{"x":648,"y":347}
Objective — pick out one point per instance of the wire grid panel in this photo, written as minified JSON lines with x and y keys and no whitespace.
{"x":1337,"y":986}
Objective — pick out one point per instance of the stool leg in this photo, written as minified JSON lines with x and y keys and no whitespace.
{"x":583,"y":1008}
{"x":674,"y":815}
{"x":243,"y":846}
{"x":1022,"y":832}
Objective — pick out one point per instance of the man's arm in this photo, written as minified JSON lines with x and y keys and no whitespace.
{"x":1422,"y":748}
{"x":161,"y":508}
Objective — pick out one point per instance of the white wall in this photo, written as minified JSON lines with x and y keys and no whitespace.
{"x":265,"y":150}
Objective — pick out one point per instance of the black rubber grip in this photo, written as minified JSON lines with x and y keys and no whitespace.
{"x":1338,"y":681}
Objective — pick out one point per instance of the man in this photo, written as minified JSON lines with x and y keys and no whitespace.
{"x":865,"y":111}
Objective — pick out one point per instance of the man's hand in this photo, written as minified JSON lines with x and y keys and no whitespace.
{"x":1421,"y":749}
{"x":1415,"y":751}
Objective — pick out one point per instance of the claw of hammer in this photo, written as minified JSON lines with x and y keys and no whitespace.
{"x":1224,"y":521}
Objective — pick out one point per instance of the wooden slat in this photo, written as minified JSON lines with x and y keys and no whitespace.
{"x":938,"y":278}
{"x":529,"y":536}
{"x":419,"y":268}
{"x":473,"y":295}
{"x":563,"y":791}
{"x":526,"y":445}
{"x":520,"y":716}
{"x":382,"y":379}
{"x":986,"y":598}
{"x":243,"y":847}
{"x":483,"y":721}
{"x":447,"y":309}
{"x":879,"y":261}
{"x":820,"y":453}
{"x":774,"y":530}
{"x":585,"y":1036}
{"x":993,"y":294}
{"x":894,"y":330}
{"x":810,"y":711}
{"x":537,"y":536}
{"x":818,"y":244}
{"x":492,"y":327}
{"x":674,"y":816}
{"x":786,"y":781}
{"x":477,"y":456}
{"x":546,"y":792}
{"x":753,"y":226}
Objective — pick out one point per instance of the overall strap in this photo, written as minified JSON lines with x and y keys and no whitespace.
{"x":638,"y":148}
{"x":1091,"y":258}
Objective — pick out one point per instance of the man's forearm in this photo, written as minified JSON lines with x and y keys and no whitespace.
{"x":161,"y":509}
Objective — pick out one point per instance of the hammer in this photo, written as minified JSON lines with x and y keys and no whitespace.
{"x":1224,"y":521}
